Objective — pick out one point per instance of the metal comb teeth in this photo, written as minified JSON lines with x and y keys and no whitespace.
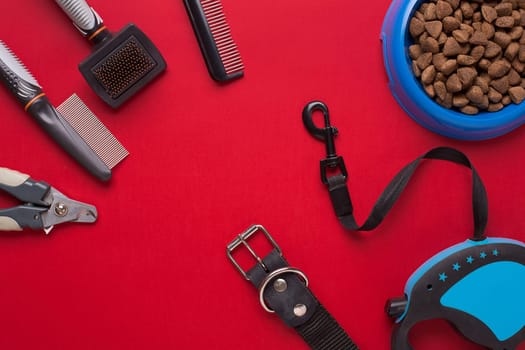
{"x":123,"y":68}
{"x":220,"y":30}
{"x":91,"y":130}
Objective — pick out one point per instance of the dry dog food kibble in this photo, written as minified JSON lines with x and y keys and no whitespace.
{"x":470,"y":54}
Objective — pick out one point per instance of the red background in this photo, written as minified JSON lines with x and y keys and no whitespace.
{"x":207,"y":161}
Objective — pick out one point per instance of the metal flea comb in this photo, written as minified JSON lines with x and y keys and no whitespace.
{"x":121,"y":64}
{"x":73,"y":126}
{"x":215,"y":40}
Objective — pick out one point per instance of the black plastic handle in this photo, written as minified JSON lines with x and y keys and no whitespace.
{"x":67,"y":137}
{"x":28,"y":92}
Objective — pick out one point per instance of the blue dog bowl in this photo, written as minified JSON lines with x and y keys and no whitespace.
{"x":409,"y":92}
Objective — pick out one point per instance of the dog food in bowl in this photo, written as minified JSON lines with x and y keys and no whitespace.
{"x":469,"y":55}
{"x":457,"y":66}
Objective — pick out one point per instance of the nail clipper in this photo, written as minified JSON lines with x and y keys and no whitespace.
{"x":44,"y":206}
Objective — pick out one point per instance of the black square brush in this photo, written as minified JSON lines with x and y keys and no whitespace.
{"x":121,"y":64}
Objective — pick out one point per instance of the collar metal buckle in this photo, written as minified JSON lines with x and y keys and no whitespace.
{"x":242,"y":240}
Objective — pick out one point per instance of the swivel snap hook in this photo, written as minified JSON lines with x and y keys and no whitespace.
{"x":326,"y":134}
{"x":308,"y":112}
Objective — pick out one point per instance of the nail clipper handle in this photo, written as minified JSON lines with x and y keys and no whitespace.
{"x":87,"y":21}
{"x":12,"y":178}
{"x":23,"y":187}
{"x":7,"y":223}
{"x":26,"y":190}
{"x":20,"y":217}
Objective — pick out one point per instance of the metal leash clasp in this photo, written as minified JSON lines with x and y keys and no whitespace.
{"x":326,"y":134}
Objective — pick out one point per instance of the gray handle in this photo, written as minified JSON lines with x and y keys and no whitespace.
{"x":68,"y":138}
{"x":10,"y":178}
{"x":82,"y":15}
{"x":24,"y":188}
{"x":18,"y":218}
{"x":27,"y":190}
{"x":30,"y":95}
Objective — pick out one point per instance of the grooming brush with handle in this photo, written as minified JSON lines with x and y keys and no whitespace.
{"x":121,"y":64}
{"x":72,"y":125}
{"x":215,"y":40}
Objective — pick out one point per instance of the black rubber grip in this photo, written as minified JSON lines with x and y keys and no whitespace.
{"x":31,"y":97}
{"x":64,"y":134}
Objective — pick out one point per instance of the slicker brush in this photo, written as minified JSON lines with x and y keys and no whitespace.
{"x":121,"y":64}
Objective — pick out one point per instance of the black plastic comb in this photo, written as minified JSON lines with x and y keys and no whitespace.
{"x":214,"y":36}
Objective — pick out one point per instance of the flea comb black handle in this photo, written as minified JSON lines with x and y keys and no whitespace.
{"x":87,"y":21}
{"x":213,"y":34}
{"x":29,"y":93}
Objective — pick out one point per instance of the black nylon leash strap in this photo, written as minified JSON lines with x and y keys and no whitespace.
{"x":338,"y":188}
{"x":342,"y":203}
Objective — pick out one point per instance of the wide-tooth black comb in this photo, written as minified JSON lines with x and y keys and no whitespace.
{"x":122,"y":64}
{"x":215,"y":40}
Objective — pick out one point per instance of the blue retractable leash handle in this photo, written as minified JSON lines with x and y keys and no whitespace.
{"x":477,"y":286}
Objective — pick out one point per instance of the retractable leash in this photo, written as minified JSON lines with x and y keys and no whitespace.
{"x":283,"y":290}
{"x":477,"y":286}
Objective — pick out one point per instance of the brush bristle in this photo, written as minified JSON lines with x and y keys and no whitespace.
{"x":220,"y":30}
{"x":91,"y":129}
{"x":123,"y":68}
